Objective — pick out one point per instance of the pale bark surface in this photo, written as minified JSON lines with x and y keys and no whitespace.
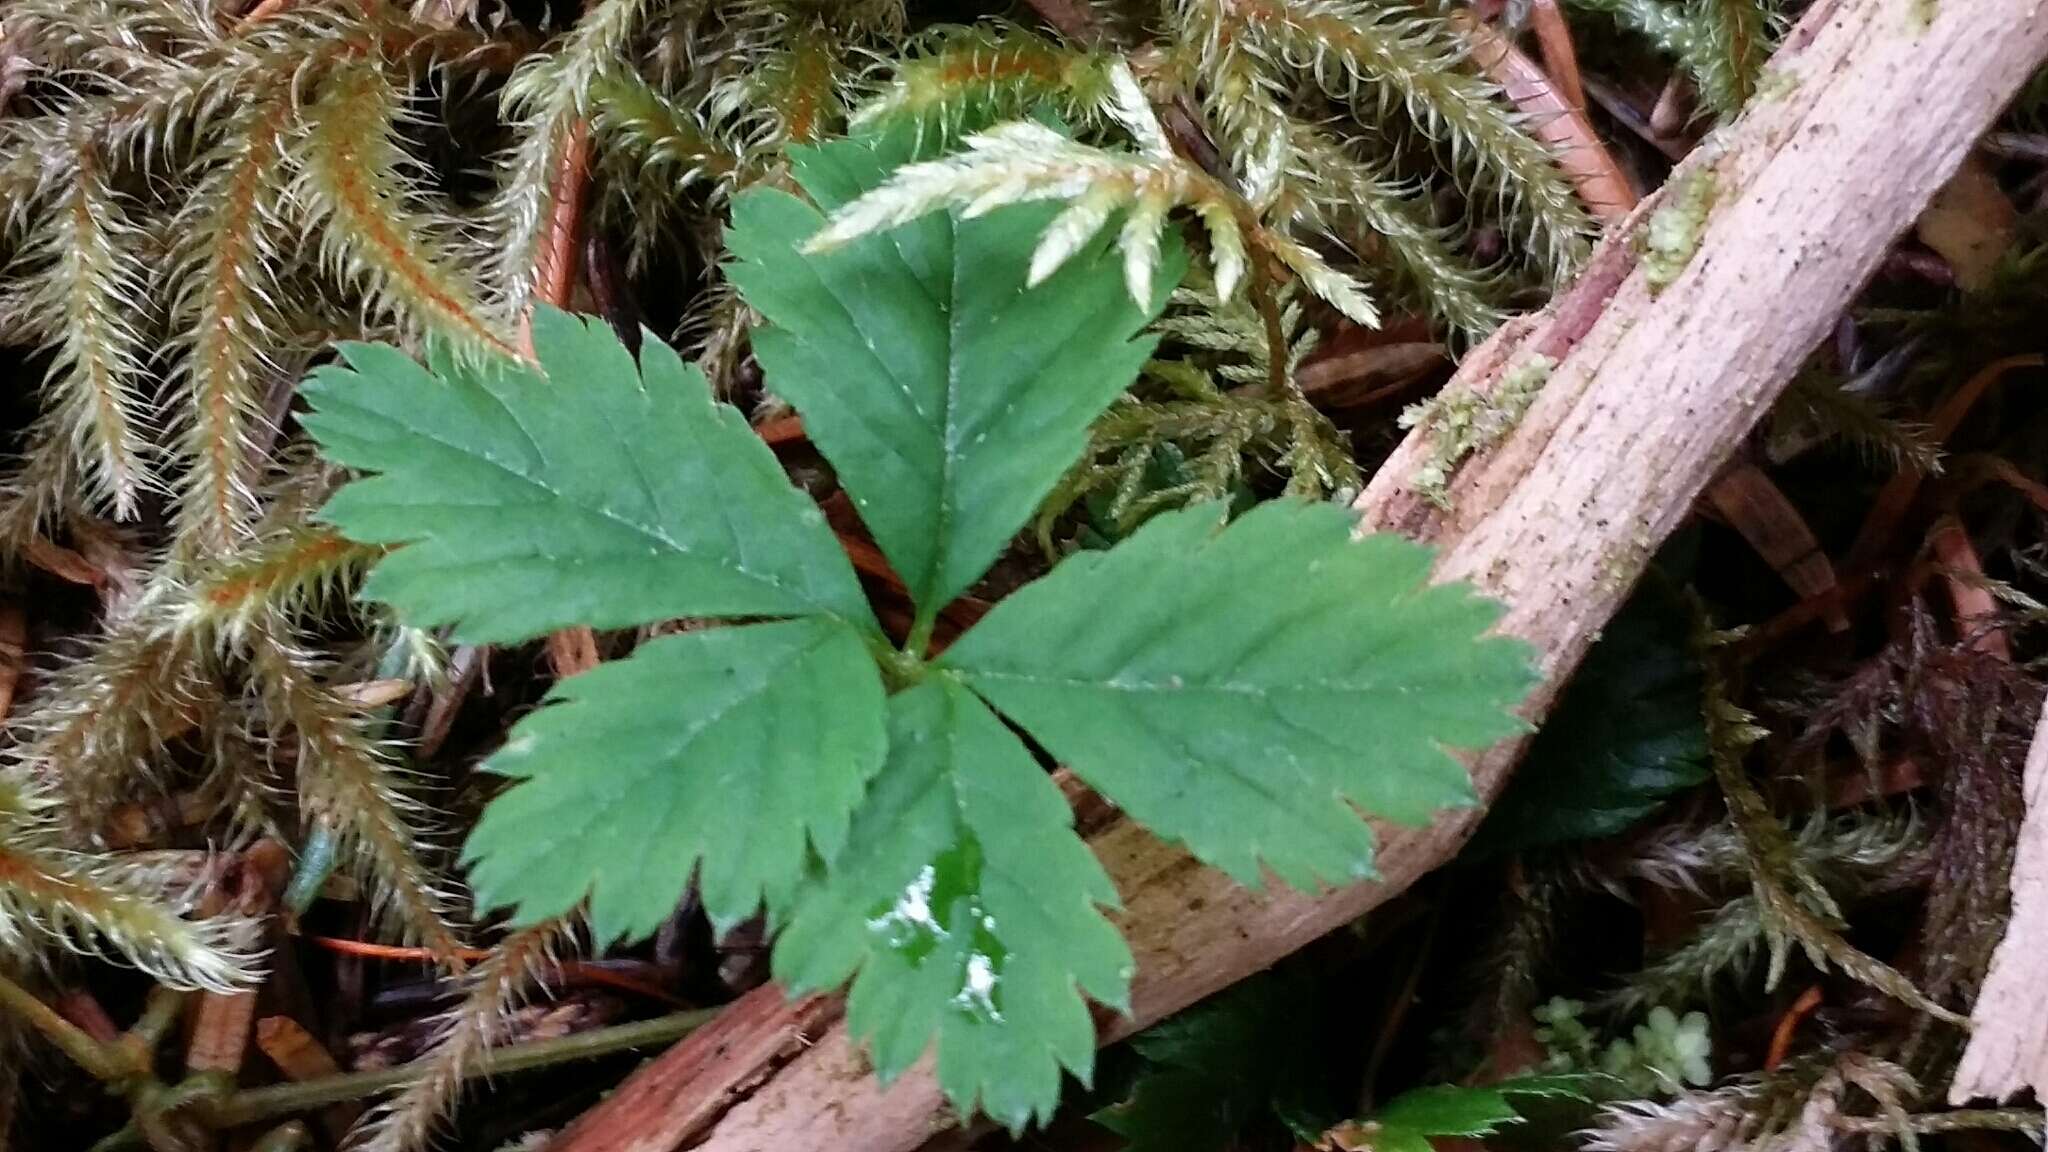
{"x":1863,"y":116}
{"x":2008,"y":1048}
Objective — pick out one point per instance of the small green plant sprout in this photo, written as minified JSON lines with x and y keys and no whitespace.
{"x":1248,"y":689}
{"x":1665,"y":1053}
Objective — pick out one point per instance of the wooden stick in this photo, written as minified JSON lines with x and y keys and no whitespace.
{"x":2008,"y":1049}
{"x":1866,"y":114}
{"x":1976,"y":609}
{"x":1556,"y":116}
{"x":694,"y":1082}
{"x":1560,"y":58}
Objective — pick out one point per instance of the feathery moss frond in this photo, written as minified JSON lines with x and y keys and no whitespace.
{"x":89,"y":299}
{"x":1301,"y":172}
{"x":37,"y":493}
{"x":803,"y":86}
{"x":226,"y":307}
{"x":664,"y":141}
{"x":1856,"y":848}
{"x":1667,"y":27}
{"x":954,"y":76}
{"x":1851,"y":856}
{"x":1024,"y":161}
{"x":94,"y":36}
{"x":294,"y":572}
{"x":543,"y":100}
{"x":462,"y":1036}
{"x":1372,"y":54}
{"x":1728,"y":56}
{"x":1794,"y":903}
{"x":365,"y":205}
{"x":1457,"y":295}
{"x":1179,"y":438}
{"x":96,"y":907}
{"x":97,"y":728}
{"x":172,"y":102}
{"x":1021,"y":162}
{"x":1722,"y":44}
{"x":347,"y":784}
{"x":1750,"y":1113}
{"x":1832,"y":411}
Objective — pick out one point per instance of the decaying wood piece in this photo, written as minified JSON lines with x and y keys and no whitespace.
{"x":1860,"y":119}
{"x":2008,"y":1049}
{"x":685,"y":1088}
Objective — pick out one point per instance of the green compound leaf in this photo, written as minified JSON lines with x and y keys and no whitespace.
{"x":948,"y":397}
{"x":1628,"y":735}
{"x":1241,"y":690}
{"x":585,"y":493}
{"x":738,"y":749}
{"x":969,"y":906}
{"x":1447,"y":1110}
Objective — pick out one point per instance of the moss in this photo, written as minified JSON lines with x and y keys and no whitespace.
{"x":1673,"y":232}
{"x":1463,"y":422}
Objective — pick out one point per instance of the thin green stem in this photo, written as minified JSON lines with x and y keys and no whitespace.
{"x":259,"y":1104}
{"x":919,"y":641}
{"x":103,"y":1062}
{"x":316,"y":863}
{"x":1936,"y":1123}
{"x":159,"y":1013}
{"x":1278,"y":379}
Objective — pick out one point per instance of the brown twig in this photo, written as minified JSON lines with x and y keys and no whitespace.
{"x":221,"y":1024}
{"x":1760,"y":511}
{"x":1976,"y":609}
{"x":781,"y":430}
{"x":571,"y":650}
{"x":262,"y":11}
{"x":1673,"y":107}
{"x":1556,"y":118}
{"x":1881,"y":523}
{"x":84,"y":1009}
{"x":1625,"y":112}
{"x":63,"y":563}
{"x":104,"y":1062}
{"x":555,"y":276}
{"x":573,"y":972}
{"x":1788,"y":1027}
{"x":1560,"y":58}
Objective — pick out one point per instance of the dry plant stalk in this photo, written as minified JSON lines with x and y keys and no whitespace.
{"x":1867,"y":114}
{"x":1556,"y":113}
{"x":2008,"y":1049}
